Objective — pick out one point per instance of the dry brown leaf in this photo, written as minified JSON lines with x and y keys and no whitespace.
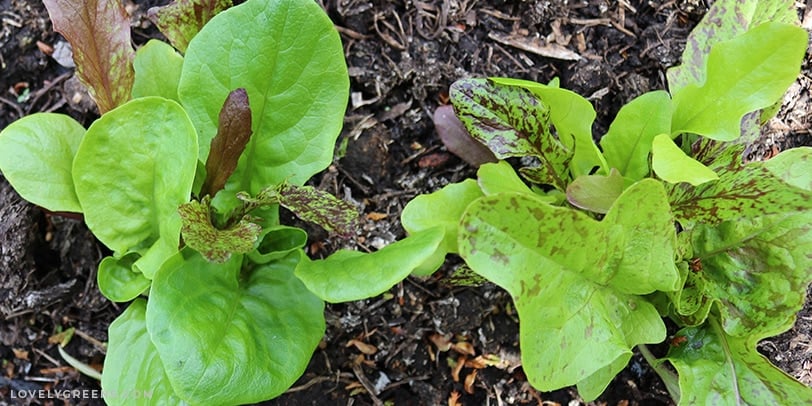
{"x":469,"y":382}
{"x":455,"y":371}
{"x":464,"y":347}
{"x":454,"y":399}
{"x":442,"y":342}
{"x":20,"y":353}
{"x":375,"y":216}
{"x":365,"y":348}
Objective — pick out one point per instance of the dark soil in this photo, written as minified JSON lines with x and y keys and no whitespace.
{"x":402,"y":57}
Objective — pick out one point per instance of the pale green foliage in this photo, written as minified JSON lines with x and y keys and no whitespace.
{"x":689,"y":231}
{"x":36,"y":155}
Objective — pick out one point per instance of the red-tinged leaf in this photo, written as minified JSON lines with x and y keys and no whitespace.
{"x":99,"y":32}
{"x":319,"y":207}
{"x":457,"y":139}
{"x":214,"y":244}
{"x":181,"y":20}
{"x":233,"y":133}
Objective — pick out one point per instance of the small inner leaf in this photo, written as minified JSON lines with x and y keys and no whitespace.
{"x":233,"y":133}
{"x":181,"y":20}
{"x":595,"y":193}
{"x":215,"y":245}
{"x":672,"y":165}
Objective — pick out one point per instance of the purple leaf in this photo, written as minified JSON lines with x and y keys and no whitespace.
{"x":457,"y":139}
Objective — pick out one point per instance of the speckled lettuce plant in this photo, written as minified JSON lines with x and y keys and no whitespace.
{"x":663,"y":218}
{"x":181,"y":178}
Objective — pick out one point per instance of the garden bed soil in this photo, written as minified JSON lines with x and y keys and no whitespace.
{"x":402,"y":57}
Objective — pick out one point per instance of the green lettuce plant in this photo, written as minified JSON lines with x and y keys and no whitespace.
{"x":181,"y":178}
{"x":663,"y":218}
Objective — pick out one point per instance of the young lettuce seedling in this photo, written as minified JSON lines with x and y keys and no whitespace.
{"x":181,"y":178}
{"x":663,"y":219}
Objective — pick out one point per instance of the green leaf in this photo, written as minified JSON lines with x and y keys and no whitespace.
{"x":228,"y":335}
{"x":512,"y":122}
{"x":233,"y":133}
{"x":717,"y":369}
{"x":134,"y":167}
{"x":181,"y":20}
{"x":499,"y":178}
{"x":118,"y":281}
{"x":278,"y":243}
{"x":575,"y":280}
{"x":572,"y":116}
{"x":742,"y":192}
{"x":99,"y":35}
{"x":724,"y":20}
{"x":757,"y":270}
{"x":214,"y":244}
{"x":421,"y":214}
{"x":793,"y":166}
{"x":292,"y":66}
{"x":351,"y":275}
{"x":595,"y":193}
{"x":747,"y":73}
{"x":157,"y":71}
{"x":627,"y":144}
{"x":132,"y":366}
{"x":36,"y":156}
{"x":672,"y":165}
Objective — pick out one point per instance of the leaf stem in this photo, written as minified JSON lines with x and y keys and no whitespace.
{"x":670,"y":379}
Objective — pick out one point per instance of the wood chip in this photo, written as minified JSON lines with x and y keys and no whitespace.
{"x":536,"y":46}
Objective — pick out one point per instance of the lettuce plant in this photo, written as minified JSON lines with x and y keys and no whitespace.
{"x":182,"y":177}
{"x":664,"y":218}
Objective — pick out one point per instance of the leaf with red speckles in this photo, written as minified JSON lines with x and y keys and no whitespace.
{"x":512,"y":122}
{"x":716,"y":368}
{"x":99,"y":32}
{"x":319,"y":207}
{"x":743,"y":191}
{"x":214,"y":244}
{"x":576,"y":281}
{"x":181,"y":20}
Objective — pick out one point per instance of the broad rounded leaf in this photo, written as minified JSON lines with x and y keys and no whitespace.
{"x":134,"y":167}
{"x":36,"y":156}
{"x":717,"y":369}
{"x":757,"y":269}
{"x":157,"y":71}
{"x":118,"y":281}
{"x":672,"y":165}
{"x":793,"y":166}
{"x":746,"y":73}
{"x":575,"y":280}
{"x":228,"y":335}
{"x":351,"y":275}
{"x":292,"y":66}
{"x":422,"y":213}
{"x":133,"y":372}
